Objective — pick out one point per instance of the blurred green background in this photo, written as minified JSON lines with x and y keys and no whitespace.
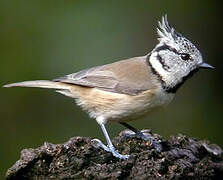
{"x":47,"y":39}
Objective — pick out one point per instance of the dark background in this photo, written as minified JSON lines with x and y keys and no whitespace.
{"x":47,"y":39}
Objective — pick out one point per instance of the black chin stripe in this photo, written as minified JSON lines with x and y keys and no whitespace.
{"x":178,"y":85}
{"x":165,"y":47}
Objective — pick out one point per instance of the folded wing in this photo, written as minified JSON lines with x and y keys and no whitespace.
{"x":130,"y":76}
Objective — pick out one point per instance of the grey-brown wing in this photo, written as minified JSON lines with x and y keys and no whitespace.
{"x":93,"y":77}
{"x":129,"y":76}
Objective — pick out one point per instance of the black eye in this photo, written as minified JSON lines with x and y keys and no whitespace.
{"x":185,"y":56}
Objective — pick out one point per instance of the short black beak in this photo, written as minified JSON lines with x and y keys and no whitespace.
{"x":205,"y":66}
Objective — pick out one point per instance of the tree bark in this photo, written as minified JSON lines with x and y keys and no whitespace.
{"x":182,"y":157}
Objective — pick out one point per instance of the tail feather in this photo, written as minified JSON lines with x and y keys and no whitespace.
{"x":40,"y":84}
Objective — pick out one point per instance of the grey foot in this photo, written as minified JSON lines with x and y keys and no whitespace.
{"x":145,"y":135}
{"x":111,"y":149}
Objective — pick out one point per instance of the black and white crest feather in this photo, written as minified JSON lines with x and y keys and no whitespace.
{"x":166,"y":32}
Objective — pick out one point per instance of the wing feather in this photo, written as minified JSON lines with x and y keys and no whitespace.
{"x":130,"y":76}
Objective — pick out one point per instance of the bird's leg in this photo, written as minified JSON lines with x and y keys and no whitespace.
{"x":139,"y":134}
{"x":109,"y":148}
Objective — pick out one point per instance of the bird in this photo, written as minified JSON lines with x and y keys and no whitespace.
{"x":128,"y":89}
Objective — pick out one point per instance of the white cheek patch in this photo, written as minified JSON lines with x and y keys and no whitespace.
{"x":155,"y":63}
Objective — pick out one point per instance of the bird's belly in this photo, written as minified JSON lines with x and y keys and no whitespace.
{"x":135,"y":107}
{"x":122,"y":107}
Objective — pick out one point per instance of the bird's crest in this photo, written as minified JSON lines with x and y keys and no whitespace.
{"x":167,"y":34}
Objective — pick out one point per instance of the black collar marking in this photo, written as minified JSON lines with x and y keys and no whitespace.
{"x":153,"y":69}
{"x":178,"y":85}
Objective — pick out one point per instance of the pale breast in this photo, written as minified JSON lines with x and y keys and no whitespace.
{"x":120,"y":107}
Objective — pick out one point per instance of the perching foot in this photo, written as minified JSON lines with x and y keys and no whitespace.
{"x":110,"y":149}
{"x":145,"y":135}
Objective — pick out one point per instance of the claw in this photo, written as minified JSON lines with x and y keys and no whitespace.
{"x":99,"y":144}
{"x":145,"y":135}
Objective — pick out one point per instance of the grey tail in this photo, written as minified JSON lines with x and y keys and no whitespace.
{"x":40,"y":84}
